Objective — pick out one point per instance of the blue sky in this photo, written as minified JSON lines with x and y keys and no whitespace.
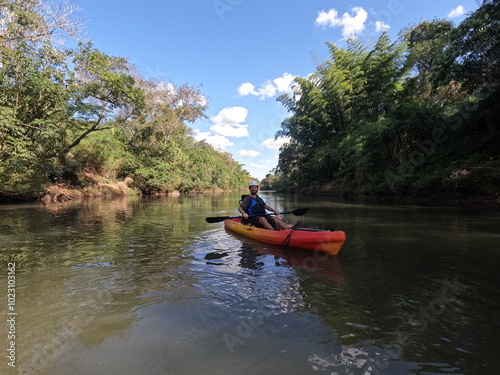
{"x":243,"y":54}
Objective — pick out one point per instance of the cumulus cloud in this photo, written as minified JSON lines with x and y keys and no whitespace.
{"x":235,"y":130}
{"x":457,"y":12}
{"x":247,"y":89}
{"x":249,"y":153}
{"x":216,"y":141}
{"x":351,"y":25}
{"x":380,"y":26}
{"x":329,"y":18}
{"x":228,"y":122}
{"x":275,"y":143}
{"x":284,"y":83}
{"x":269,"y":88}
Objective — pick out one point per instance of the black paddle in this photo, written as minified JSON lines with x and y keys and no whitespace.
{"x":218,"y":219}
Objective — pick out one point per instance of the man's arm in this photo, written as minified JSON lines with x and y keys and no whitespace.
{"x":269,"y":208}
{"x":243,"y":207}
{"x":242,"y":212}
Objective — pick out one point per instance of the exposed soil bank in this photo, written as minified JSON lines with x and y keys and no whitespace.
{"x":64,"y":191}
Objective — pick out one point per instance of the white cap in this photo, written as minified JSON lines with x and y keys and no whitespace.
{"x":253,"y":183}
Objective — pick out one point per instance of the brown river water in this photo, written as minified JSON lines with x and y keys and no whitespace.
{"x":146,"y":286}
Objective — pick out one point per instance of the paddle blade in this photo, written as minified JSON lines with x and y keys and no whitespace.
{"x":216,"y":219}
{"x":300,"y":211}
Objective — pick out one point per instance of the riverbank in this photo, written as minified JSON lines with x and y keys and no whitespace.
{"x":431,"y":199}
{"x":64,"y":191}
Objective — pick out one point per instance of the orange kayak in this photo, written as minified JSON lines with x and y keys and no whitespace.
{"x":316,"y":239}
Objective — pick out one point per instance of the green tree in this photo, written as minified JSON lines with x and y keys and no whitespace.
{"x":103,"y":94}
{"x":384,"y":69}
{"x":426,"y":42}
{"x":33,"y":98}
{"x":81,"y":113}
{"x":473,"y":53}
{"x":352,"y":87}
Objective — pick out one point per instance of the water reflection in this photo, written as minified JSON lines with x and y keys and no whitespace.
{"x":313,"y":263}
{"x":146,"y":285}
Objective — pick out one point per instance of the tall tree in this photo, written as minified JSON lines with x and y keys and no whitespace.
{"x":103,"y":94}
{"x":426,"y":42}
{"x":473,"y":54}
{"x":33,"y":97}
{"x":353,"y":87}
{"x":52,"y":97}
{"x":384,"y":69}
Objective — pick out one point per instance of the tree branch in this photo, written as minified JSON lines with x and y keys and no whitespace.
{"x":77,"y":141}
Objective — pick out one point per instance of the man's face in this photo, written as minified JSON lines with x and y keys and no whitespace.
{"x":253,"y":189}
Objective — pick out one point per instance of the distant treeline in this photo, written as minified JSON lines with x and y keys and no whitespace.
{"x":419,"y":116}
{"x":81,"y":116}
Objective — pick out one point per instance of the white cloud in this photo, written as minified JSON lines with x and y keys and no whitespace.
{"x":269,"y":88}
{"x":230,"y":116}
{"x":328,"y":19}
{"x":247,"y":89}
{"x":235,"y":130}
{"x":228,"y":122}
{"x":284,"y":83}
{"x":380,"y":26}
{"x":275,"y":144}
{"x":351,"y":24}
{"x":354,"y":24}
{"x":250,"y":153}
{"x":218,"y":142}
{"x":457,"y":12}
{"x":258,"y":165}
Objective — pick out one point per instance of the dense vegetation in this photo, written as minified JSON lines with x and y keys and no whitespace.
{"x":419,"y":116}
{"x":80,"y":115}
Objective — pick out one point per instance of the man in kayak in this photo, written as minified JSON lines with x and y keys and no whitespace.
{"x":252,"y":204}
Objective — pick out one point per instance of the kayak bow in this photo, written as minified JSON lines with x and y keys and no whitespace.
{"x":310,"y":238}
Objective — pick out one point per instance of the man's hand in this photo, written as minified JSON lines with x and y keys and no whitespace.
{"x":245,"y":215}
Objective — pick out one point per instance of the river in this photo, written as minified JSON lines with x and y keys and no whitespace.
{"x":146,"y":286}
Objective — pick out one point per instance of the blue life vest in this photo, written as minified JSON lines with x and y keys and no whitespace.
{"x":257,"y":206}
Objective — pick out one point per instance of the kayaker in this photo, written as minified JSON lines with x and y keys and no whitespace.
{"x":252,"y":204}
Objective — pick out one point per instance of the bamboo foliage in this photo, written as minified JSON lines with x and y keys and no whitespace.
{"x":401,"y":117}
